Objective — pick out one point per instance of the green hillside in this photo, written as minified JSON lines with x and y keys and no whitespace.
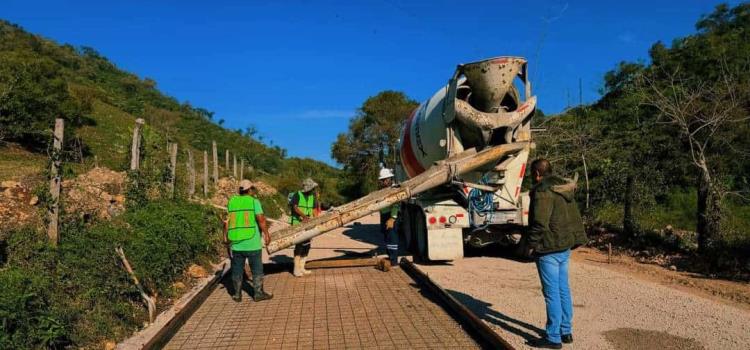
{"x":77,"y":294}
{"x":41,"y":80}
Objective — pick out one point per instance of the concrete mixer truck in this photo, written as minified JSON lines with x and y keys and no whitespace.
{"x":485,"y":104}
{"x":462,"y":158}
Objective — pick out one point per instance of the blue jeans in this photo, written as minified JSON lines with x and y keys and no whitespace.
{"x":255,"y":259}
{"x":391,"y":240}
{"x":553,"y":272}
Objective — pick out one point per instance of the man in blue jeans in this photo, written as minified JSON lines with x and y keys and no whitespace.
{"x":243,"y":228}
{"x":555,"y":227}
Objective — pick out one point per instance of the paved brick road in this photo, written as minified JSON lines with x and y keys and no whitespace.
{"x":343,"y":308}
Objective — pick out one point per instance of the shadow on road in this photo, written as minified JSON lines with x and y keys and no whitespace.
{"x":370,"y":233}
{"x":484,"y":311}
{"x":281,"y":259}
{"x":226,"y":282}
{"x":495,"y":251}
{"x":268,"y":269}
{"x":367,"y":233}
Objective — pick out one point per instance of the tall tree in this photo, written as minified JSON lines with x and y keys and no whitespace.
{"x":700,"y":88}
{"x":704,"y":114}
{"x":372,"y":138}
{"x":32,"y":94}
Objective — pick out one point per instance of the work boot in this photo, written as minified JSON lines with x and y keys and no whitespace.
{"x":237,"y":296}
{"x":305,"y":271}
{"x":298,"y":267}
{"x":261,"y":295}
{"x":567,"y":338}
{"x":543,"y":343}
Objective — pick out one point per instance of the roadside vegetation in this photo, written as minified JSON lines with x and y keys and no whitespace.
{"x":665,"y":150}
{"x":371,"y":141}
{"x":78,"y":294}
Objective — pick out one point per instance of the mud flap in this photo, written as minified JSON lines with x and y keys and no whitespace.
{"x":445,"y":244}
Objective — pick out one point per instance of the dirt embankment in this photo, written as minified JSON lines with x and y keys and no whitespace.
{"x":227,"y":187}
{"x":17,"y":203}
{"x":733,"y":293}
{"x":99,"y":193}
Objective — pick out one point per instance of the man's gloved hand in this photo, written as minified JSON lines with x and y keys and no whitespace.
{"x":390,"y":223}
{"x":527,"y":253}
{"x":524,"y":249}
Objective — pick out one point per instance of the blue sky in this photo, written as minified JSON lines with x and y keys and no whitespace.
{"x":297,"y":70}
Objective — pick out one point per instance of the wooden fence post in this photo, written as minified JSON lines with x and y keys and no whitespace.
{"x":191,"y":173}
{"x":172,"y":168}
{"x":135,"y":148}
{"x":205,"y":174}
{"x":242,"y":169}
{"x":226,"y":160}
{"x":216,"y":163}
{"x":234,"y":167}
{"x":55,"y":182}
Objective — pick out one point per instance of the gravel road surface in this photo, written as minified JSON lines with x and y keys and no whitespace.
{"x":612,"y":310}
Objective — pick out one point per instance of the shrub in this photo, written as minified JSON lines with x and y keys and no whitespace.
{"x":78,"y":294}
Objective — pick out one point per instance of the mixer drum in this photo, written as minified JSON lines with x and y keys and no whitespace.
{"x":480,"y":106}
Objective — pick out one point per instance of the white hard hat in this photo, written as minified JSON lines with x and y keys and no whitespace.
{"x":308,"y":185}
{"x":245,"y":185}
{"x":385,"y":173}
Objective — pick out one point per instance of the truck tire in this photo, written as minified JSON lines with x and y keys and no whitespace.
{"x":420,"y":233}
{"x":406,"y":228}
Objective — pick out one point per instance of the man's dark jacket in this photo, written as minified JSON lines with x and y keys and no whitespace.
{"x":555,"y":223}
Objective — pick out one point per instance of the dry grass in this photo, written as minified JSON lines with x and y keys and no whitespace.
{"x":18,"y":164}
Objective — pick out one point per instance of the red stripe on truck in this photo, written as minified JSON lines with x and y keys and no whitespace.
{"x":408,"y":159}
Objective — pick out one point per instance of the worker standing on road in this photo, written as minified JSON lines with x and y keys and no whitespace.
{"x":245,"y":223}
{"x":388,"y":216}
{"x":555,"y":227}
{"x":304,"y":206}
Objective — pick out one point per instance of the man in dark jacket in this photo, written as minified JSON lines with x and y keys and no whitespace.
{"x":555,"y":227}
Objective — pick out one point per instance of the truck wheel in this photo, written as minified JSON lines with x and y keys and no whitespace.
{"x":407,"y":228}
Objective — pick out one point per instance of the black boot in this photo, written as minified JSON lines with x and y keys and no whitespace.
{"x":543,"y":343}
{"x":237,"y":296}
{"x":567,"y":338}
{"x":260,"y":294}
